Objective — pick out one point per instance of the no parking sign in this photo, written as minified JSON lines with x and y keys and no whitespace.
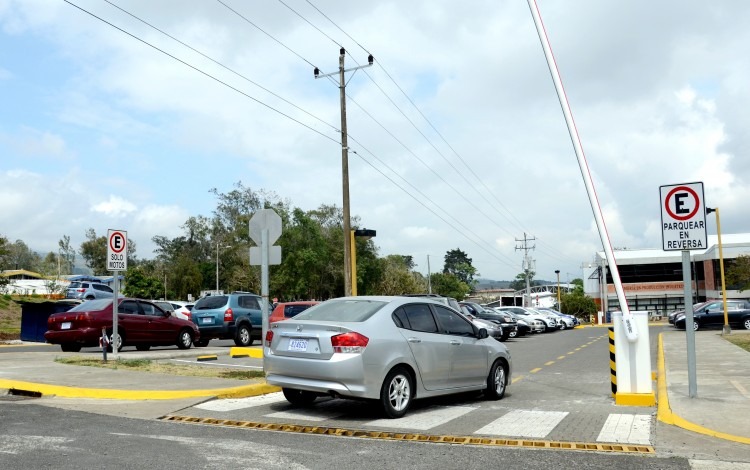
{"x":683,"y":217}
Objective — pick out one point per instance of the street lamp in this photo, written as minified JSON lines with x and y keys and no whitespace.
{"x":726,"y":329}
{"x":559,"y":307}
{"x":364,"y":234}
{"x":217,"y":264}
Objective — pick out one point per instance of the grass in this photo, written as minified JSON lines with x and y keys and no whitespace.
{"x":741,"y":340}
{"x":10,"y":318}
{"x":146,"y":365}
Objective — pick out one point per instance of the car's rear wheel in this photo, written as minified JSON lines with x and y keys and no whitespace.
{"x":299,"y":397}
{"x":70,"y":347}
{"x":185,"y":340}
{"x":396,"y":393}
{"x":696,"y":325}
{"x":243,"y":338}
{"x":202,"y":343}
{"x":746,"y":323}
{"x":496,"y":382}
{"x":143,"y":347}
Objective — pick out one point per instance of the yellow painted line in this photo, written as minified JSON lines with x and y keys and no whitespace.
{"x":571,"y":352}
{"x":77,"y":392}
{"x":516,"y":379}
{"x":561,"y":357}
{"x":549,"y":363}
{"x":664,"y":412}
{"x":577,"y":349}
{"x":415,"y":437}
{"x":534,"y":371}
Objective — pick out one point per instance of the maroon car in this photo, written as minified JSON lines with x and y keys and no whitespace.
{"x":139,"y":323}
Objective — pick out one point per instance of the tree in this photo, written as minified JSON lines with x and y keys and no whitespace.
{"x":738,"y":273}
{"x":397,"y":278}
{"x":139,"y":284}
{"x":68,"y":254}
{"x":21,"y":257}
{"x":49,"y":268}
{"x":4,"y":252}
{"x":578,"y":304}
{"x":94,"y":252}
{"x":449,"y":285}
{"x":459,"y":264}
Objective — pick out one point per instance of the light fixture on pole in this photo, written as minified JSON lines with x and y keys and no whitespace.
{"x":364,"y":234}
{"x":725,"y":329}
{"x":559,"y":307}
{"x":217,"y":264}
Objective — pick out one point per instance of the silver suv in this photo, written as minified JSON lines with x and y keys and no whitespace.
{"x":88,"y":290}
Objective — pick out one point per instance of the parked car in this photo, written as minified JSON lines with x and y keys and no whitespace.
{"x":712,"y":314}
{"x":673,"y":315}
{"x":564,"y":321}
{"x":547,"y":323}
{"x":522,"y":326}
{"x":509,"y":324}
{"x":183,"y":311}
{"x":139,"y":322}
{"x":385,"y":349}
{"x":234,"y":316}
{"x":494,"y":330}
{"x":84,"y":290}
{"x":285,"y":310}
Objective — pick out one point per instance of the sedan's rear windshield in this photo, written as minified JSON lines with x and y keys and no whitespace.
{"x":90,"y":305}
{"x":349,"y":310}
{"x":211,"y":302}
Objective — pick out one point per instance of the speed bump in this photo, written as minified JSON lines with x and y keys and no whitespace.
{"x":211,"y":357}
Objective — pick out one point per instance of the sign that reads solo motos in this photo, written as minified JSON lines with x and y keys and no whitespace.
{"x":683,"y":217}
{"x":117,"y":250}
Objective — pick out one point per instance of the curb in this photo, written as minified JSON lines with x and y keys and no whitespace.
{"x":664,"y":412}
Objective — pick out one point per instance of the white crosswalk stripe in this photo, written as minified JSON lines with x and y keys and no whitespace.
{"x":626,"y":428}
{"x":424,"y":419}
{"x":232,"y":404}
{"x":524,"y":423}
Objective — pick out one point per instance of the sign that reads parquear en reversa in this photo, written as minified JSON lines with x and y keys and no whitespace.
{"x":683,"y":217}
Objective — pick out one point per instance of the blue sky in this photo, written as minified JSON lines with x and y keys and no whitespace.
{"x":98,"y":130}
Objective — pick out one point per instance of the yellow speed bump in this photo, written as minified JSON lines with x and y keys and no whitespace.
{"x":257,"y":353}
{"x":210,"y":357}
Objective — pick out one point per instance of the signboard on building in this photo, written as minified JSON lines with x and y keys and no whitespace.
{"x":683,"y":217}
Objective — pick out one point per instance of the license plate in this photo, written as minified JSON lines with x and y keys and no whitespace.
{"x":207,"y":320}
{"x":65,"y":326}
{"x":298,"y":345}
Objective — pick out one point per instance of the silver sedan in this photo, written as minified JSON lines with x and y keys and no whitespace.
{"x":390,"y":349}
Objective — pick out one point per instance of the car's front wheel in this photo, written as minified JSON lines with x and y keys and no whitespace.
{"x":696,"y":325}
{"x":513,"y":334}
{"x":746,"y":323}
{"x":563,"y":326}
{"x":299,"y":397}
{"x":243,"y":338}
{"x":119,"y":343}
{"x":396,"y":393}
{"x":185,"y":340}
{"x":496,"y":382}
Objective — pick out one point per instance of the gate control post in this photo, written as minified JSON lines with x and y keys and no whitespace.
{"x":633,"y":359}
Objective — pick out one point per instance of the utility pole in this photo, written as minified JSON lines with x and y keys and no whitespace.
{"x":528,"y":265}
{"x":345,"y":164}
{"x":429,"y":281}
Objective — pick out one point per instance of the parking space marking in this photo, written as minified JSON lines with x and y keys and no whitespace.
{"x":549,"y":363}
{"x":560,"y":357}
{"x":626,"y":428}
{"x":231,"y":404}
{"x":534,"y":371}
{"x":424,"y":419}
{"x":740,"y":388}
{"x":524,"y":423}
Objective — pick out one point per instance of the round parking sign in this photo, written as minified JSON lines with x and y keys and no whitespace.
{"x":117,"y":250}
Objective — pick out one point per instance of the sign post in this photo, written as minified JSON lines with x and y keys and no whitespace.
{"x":265,"y":229}
{"x":117,"y":260}
{"x":683,"y":222}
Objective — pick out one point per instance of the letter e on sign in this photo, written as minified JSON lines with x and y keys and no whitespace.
{"x":117,"y":250}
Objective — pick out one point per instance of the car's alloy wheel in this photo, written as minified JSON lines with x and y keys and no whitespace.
{"x":695,"y":325}
{"x":496,"y":382}
{"x":186,"y":340}
{"x":298,"y":397}
{"x":396,"y":393}
{"x":117,"y":343}
{"x":243,"y":337}
{"x":746,"y":323}
{"x":513,"y":334}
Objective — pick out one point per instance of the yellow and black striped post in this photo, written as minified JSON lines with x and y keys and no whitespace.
{"x":612,"y":363}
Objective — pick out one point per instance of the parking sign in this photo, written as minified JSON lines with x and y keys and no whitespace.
{"x":117,"y":250}
{"x":683,"y":217}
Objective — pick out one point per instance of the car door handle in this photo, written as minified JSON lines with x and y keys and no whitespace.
{"x":455,"y":342}
{"x":415,"y":340}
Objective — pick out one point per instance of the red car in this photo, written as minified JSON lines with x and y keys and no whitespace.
{"x":139,"y":323}
{"x":285,"y":310}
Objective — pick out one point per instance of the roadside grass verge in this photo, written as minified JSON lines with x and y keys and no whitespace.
{"x":146,"y":365}
{"x":741,"y":340}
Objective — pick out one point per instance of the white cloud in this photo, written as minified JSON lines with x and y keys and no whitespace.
{"x":115,"y":207}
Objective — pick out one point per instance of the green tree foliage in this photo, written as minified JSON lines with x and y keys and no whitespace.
{"x":142,"y":285}
{"x":68,"y":255}
{"x":49,"y":268}
{"x":21,"y":257}
{"x":4,"y":254}
{"x":449,"y":285}
{"x":578,"y":304}
{"x":459,"y":264}
{"x":398,"y":278}
{"x":737,"y":273}
{"x":94,"y":252}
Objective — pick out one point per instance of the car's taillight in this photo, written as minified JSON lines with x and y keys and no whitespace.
{"x":351,"y":342}
{"x":189,"y":316}
{"x":80,"y":290}
{"x":228,"y":315}
{"x":269,"y":338}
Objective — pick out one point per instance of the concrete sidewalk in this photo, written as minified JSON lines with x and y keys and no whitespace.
{"x":722,"y":405}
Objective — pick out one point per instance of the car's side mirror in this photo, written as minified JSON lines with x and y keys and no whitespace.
{"x":482,"y":333}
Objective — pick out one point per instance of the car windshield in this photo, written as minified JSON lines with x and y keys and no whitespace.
{"x":97,"y":304}
{"x":208,"y":303}
{"x":74,"y":285}
{"x":348,"y":310}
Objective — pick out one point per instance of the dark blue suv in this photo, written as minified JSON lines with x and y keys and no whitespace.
{"x":234,"y":316}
